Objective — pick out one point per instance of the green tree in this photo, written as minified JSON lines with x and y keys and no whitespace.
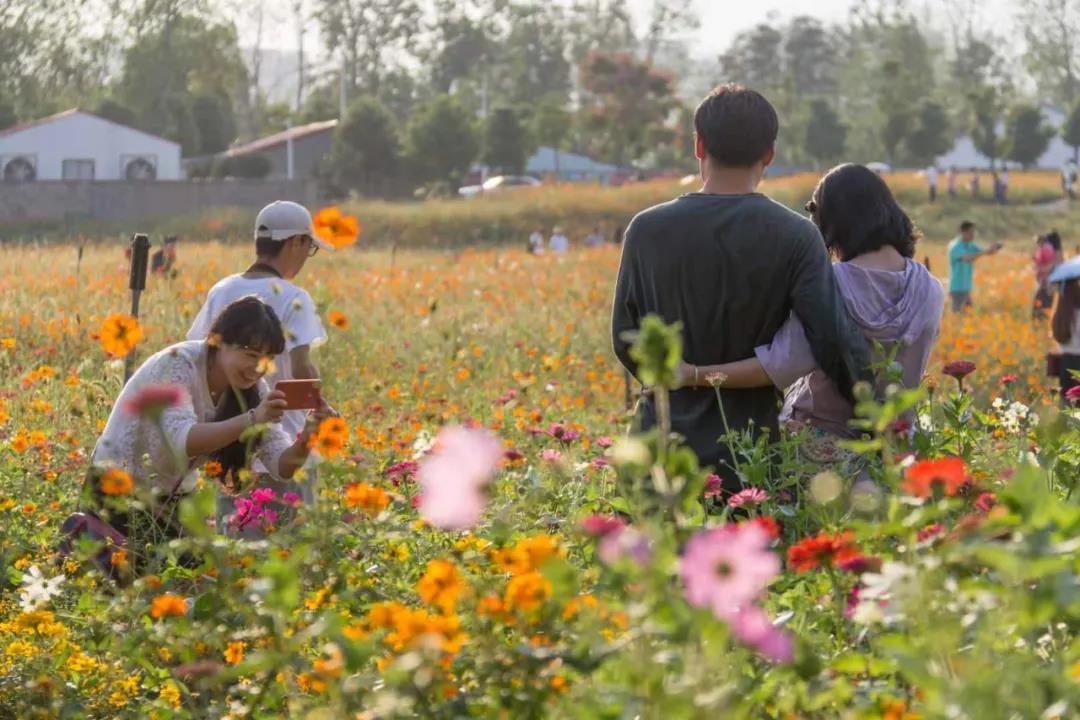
{"x":441,"y":141}
{"x":213,"y":116}
{"x":372,"y":36}
{"x":7,"y":115}
{"x":551,"y":124}
{"x":365,"y":156}
{"x":626,"y":102}
{"x":930,"y":136}
{"x":1052,"y":34}
{"x":986,"y":111}
{"x":118,"y":113}
{"x":1027,"y":135}
{"x":752,"y":59}
{"x":825,"y":134}
{"x":506,"y":142}
{"x":1070,"y":131}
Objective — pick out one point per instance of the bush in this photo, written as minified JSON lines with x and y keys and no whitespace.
{"x":253,"y":166}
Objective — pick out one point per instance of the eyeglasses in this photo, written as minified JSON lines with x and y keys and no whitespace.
{"x":313,"y":250}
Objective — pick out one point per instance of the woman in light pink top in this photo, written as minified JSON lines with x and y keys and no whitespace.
{"x":895,"y":300}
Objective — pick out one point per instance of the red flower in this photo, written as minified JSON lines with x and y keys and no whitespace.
{"x":1073,"y":394}
{"x":950,"y":474}
{"x":929,"y":532}
{"x":601,"y":525}
{"x":959,"y":369}
{"x":823,"y":550}
{"x":152,"y":400}
{"x":859,"y":564}
{"x":986,"y":501}
{"x":1007,"y":380}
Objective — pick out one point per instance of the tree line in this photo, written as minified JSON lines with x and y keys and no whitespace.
{"x":437,"y":85}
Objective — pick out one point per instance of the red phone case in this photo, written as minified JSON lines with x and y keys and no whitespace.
{"x":300,"y":394}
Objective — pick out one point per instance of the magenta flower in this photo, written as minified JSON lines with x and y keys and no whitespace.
{"x":751,"y":626}
{"x":728,"y":568}
{"x":605,"y":442}
{"x":1073,"y":394}
{"x":152,"y":400}
{"x":290,"y":498}
{"x":748,"y":497}
{"x":714,"y":486}
{"x":263,"y":495}
{"x":986,"y":501}
{"x":959,"y":369}
{"x":600,"y":525}
{"x":452,"y":477}
{"x":401,"y":471}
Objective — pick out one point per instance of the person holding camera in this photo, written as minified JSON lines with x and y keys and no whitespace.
{"x":195,"y":402}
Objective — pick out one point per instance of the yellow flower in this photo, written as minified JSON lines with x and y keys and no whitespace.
{"x":234,"y":653}
{"x":441,"y":585}
{"x":171,"y":694}
{"x":120,"y":334}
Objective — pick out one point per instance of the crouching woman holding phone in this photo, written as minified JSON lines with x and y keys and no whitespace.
{"x":191,"y":403}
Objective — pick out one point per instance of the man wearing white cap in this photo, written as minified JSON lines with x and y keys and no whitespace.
{"x":284,"y":240}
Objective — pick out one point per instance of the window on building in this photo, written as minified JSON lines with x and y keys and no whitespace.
{"x":78,"y":170}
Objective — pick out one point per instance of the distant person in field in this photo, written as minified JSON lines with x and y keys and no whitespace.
{"x":536,"y":242}
{"x":731,"y":265}
{"x":1066,"y":327}
{"x":963,"y":252}
{"x":559,"y":243}
{"x":931,"y":183}
{"x":595,"y":238}
{"x":207,"y":393}
{"x":163,"y":261}
{"x":893,"y":299}
{"x":1048,"y":255}
{"x":1068,"y":179}
{"x":974,"y":185}
{"x":950,"y":181}
{"x":284,"y":241}
{"x":1003,"y":183}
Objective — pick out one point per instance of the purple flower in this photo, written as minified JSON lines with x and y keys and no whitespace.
{"x":749,"y":496}
{"x":727,"y":568}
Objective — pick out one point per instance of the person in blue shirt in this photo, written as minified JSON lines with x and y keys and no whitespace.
{"x":963,"y":252}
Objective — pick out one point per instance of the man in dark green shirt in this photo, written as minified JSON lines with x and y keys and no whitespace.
{"x":730,"y":265}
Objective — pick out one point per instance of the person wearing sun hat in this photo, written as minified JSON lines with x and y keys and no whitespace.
{"x":285,"y":239}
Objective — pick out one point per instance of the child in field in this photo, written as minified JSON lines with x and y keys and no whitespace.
{"x":191,"y":403}
{"x":893,"y":299}
{"x":284,"y":240}
{"x":1047,"y":257}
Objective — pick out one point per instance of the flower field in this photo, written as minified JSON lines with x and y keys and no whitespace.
{"x":488,"y":542}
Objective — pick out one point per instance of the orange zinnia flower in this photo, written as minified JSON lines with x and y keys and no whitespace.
{"x":337,"y":229}
{"x":165,"y":605}
{"x":923,"y":478}
{"x":338,"y":319}
{"x":120,"y":334}
{"x":440,"y":585}
{"x":366,"y":496}
{"x":116,"y":482}
{"x":213,"y":469}
{"x":234,"y":653}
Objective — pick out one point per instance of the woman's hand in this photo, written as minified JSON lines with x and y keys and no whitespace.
{"x":313,"y":420}
{"x":271,"y":408}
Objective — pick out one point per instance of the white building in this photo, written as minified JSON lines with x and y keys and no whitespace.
{"x":77,"y":145}
{"x":964,"y":156}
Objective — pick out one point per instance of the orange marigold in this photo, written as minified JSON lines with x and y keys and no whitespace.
{"x":168,"y":604}
{"x":371,"y":499}
{"x":234,"y":653}
{"x":120,"y":334}
{"x":441,"y":585}
{"x":338,"y":320}
{"x":116,"y":482}
{"x":335,"y":228}
{"x":527,"y":592}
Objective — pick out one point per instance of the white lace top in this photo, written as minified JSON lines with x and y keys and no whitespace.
{"x":156,"y":454}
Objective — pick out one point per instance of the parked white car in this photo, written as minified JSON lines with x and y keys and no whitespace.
{"x":498,"y":184}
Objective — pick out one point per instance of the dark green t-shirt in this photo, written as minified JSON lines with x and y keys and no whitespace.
{"x":731,"y":268}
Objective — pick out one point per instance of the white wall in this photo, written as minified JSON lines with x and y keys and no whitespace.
{"x":81,"y":136}
{"x":963,"y":154}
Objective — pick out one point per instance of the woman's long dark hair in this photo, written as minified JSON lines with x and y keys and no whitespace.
{"x":1054,"y":239}
{"x":857,"y":213}
{"x":251,"y":324}
{"x":1065,"y":312}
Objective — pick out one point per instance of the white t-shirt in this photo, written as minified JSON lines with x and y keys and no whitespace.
{"x":559,"y":244}
{"x":294,"y":308}
{"x":136,"y":446}
{"x":536,"y":243}
{"x":931,"y":176}
{"x":1073,"y":346}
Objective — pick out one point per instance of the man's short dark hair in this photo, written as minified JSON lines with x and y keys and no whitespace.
{"x":267,"y":248}
{"x":737,"y":125}
{"x":967,"y":225}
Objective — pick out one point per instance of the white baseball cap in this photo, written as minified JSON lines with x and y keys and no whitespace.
{"x":283,"y":219}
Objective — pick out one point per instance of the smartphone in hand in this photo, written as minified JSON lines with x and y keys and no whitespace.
{"x":301,"y":394}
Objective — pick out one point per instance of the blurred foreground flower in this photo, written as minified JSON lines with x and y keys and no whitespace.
{"x":452,"y":477}
{"x":335,"y":228}
{"x":949,"y":475}
{"x":728,"y":568}
{"x":152,"y":400}
{"x":120,"y":334}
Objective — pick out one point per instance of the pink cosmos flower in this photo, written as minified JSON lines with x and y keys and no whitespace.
{"x":550,"y":455}
{"x":605,"y":442}
{"x":727,"y":568}
{"x":749,"y":496}
{"x":752,"y":627}
{"x":152,"y":400}
{"x":625,"y":542}
{"x":453,"y":474}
